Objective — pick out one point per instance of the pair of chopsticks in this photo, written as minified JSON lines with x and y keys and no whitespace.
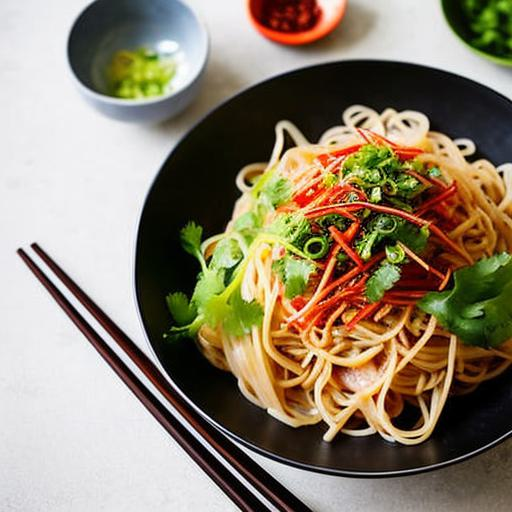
{"x":242,"y":495}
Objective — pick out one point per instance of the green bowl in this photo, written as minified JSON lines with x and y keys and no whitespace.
{"x":452,"y":10}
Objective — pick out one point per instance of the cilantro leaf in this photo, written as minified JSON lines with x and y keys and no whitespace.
{"x":215,"y":309}
{"x":190,"y":237}
{"x":383,"y":279}
{"x":235,"y":315}
{"x":413,"y":237}
{"x":277,"y":190}
{"x":227,"y":254}
{"x":242,"y":315}
{"x":478,"y":308}
{"x":250,"y":223}
{"x":210,"y":283}
{"x":292,"y":227}
{"x":297,"y":274}
{"x":181,"y":310}
{"x":294,"y":273}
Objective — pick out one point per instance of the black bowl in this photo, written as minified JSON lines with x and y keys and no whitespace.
{"x":197,"y":182}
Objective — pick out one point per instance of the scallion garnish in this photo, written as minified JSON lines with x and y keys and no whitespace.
{"x":316,"y":247}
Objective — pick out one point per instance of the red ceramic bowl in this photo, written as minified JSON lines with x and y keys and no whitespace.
{"x":332,"y":11}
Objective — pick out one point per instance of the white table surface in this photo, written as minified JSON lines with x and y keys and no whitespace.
{"x":72,"y":438}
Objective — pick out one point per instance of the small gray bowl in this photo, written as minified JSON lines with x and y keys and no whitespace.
{"x":107,"y":26}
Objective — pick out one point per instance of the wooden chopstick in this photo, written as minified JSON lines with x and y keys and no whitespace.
{"x":276,"y":494}
{"x":233,"y":488}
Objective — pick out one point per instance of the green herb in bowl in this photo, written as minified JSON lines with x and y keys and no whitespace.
{"x":141,"y":73}
{"x":491,"y":23}
{"x":485,"y":26}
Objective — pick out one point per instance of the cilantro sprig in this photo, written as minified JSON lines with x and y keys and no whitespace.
{"x":217,"y":299}
{"x":214,"y":300}
{"x":478,"y":308}
{"x":190,"y":237}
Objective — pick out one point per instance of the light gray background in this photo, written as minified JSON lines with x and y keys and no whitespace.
{"x":72,"y":438}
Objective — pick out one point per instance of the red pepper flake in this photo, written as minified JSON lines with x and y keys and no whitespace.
{"x":290,"y":15}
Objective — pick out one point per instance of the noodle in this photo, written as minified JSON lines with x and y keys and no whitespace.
{"x":357,"y":381}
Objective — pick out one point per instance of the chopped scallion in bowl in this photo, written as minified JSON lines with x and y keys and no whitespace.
{"x":142,"y":73}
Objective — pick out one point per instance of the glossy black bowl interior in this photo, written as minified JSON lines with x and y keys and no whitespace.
{"x":197,"y":182}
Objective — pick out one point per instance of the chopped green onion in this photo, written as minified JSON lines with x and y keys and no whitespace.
{"x":140,"y":74}
{"x":375,"y":177}
{"x":390,"y":187}
{"x":490,"y":22}
{"x":375,"y":195}
{"x":316,"y":247}
{"x":366,"y":250}
{"x":341,"y":257}
{"x":330,"y":180}
{"x":395,"y":254}
{"x":385,"y":225}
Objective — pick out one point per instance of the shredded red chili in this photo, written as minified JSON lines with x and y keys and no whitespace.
{"x":290,"y":15}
